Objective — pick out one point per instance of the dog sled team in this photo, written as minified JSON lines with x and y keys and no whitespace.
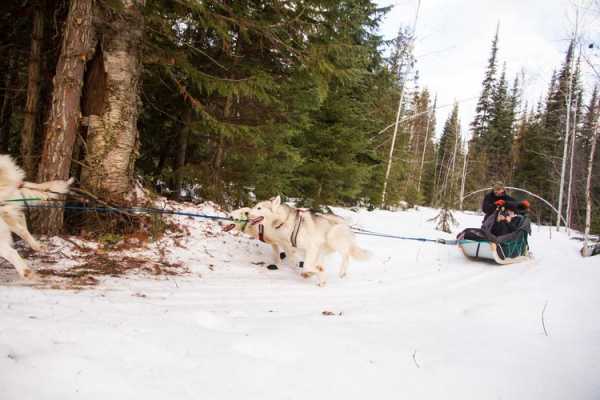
{"x":304,"y":237}
{"x":292,"y":230}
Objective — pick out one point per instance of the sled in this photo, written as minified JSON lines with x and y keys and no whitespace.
{"x":590,"y":250}
{"x":486,"y":250}
{"x":481,"y":244}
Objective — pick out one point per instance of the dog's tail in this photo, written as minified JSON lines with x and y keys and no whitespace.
{"x":11,"y":177}
{"x":359,"y":254}
{"x":46,"y":190}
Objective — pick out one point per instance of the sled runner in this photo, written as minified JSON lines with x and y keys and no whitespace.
{"x":506,"y":249}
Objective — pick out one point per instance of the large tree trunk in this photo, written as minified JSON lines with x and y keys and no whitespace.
{"x":77,"y":47}
{"x":181,"y":150}
{"x":33,"y":92}
{"x":112,"y":140}
{"x":7,"y":104}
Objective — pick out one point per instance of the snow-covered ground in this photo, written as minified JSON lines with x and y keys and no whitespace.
{"x":418,"y":321}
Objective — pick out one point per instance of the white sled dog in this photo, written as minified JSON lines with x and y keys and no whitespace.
{"x":266,"y":234}
{"x":315,"y":234}
{"x":12,"y":218}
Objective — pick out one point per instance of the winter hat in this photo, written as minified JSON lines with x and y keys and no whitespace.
{"x":498,"y":185}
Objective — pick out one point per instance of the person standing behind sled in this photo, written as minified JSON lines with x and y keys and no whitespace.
{"x":495,"y":199}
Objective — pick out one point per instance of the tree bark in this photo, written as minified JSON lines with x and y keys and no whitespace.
{"x":112,"y":138}
{"x":77,"y":47}
{"x":430,"y":112}
{"x":33,"y":92}
{"x":588,"y":186}
{"x":7,"y":104}
{"x":180,"y":155}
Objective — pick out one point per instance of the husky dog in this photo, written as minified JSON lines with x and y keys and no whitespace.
{"x":261,"y":232}
{"x":12,"y":218}
{"x":315,"y":234}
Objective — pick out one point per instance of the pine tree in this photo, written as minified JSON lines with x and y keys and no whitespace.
{"x":484,"y":109}
{"x":557,"y":126}
{"x":497,"y":143}
{"x":447,"y":155}
{"x":478,"y":162}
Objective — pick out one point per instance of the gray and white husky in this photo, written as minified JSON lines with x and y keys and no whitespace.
{"x":315,"y":234}
{"x":12,"y":218}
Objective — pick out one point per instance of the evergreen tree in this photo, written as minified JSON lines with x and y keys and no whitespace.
{"x":428,"y":158}
{"x":484,"y":109}
{"x":448,"y":155}
{"x":497,"y":144}
{"x":478,"y":163}
{"x":561,"y":99}
{"x":591,"y":114}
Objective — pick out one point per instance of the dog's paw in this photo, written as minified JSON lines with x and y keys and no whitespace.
{"x":322,"y":284}
{"x":342,"y":275}
{"x":282,"y":255}
{"x":307,"y":275}
{"x":272,"y":267}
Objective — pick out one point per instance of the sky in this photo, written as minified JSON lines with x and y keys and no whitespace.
{"x":454,"y":40}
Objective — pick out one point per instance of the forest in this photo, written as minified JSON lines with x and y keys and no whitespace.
{"x":234,"y":101}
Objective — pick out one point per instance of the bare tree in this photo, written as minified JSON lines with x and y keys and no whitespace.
{"x":431,"y":111}
{"x":588,"y":186}
{"x":572,"y":162}
{"x":407,"y":47}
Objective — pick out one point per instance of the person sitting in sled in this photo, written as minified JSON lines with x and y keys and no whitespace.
{"x":494,"y":199}
{"x":509,"y":217}
{"x":506,"y":222}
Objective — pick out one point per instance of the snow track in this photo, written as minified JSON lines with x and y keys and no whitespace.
{"x":418,"y":321}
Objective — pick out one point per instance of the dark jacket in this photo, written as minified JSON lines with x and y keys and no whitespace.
{"x":488,"y":206}
{"x":502,"y":228}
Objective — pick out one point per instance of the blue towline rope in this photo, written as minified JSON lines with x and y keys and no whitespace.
{"x":358,"y":231}
{"x":132,"y":210}
{"x":364,"y":232}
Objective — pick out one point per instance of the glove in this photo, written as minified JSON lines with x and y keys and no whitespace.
{"x":525,"y":204}
{"x":500,"y":203}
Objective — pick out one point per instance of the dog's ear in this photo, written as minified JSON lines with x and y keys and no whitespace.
{"x":70,"y":181}
{"x":276,"y":202}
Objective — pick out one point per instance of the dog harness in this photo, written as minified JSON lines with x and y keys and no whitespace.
{"x":296,"y":230}
{"x":297,"y":224}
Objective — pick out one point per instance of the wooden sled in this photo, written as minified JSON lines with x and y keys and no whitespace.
{"x":486,"y":250}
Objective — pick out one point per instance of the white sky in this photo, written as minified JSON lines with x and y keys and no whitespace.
{"x":454,"y":39}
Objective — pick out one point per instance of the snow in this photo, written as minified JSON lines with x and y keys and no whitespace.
{"x":418,"y":321}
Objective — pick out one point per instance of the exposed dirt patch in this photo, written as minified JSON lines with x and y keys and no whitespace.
{"x":104,"y":265}
{"x":74,"y":263}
